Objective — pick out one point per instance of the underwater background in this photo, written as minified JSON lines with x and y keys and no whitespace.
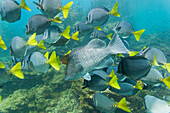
{"x":49,"y":93}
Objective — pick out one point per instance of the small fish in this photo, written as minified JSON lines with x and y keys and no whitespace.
{"x":94,"y":55}
{"x":38,"y":23}
{"x":100,"y":35}
{"x":125,"y":29}
{"x":53,"y":7}
{"x":156,"y":105}
{"x":154,"y":77}
{"x":2,"y":44}
{"x":83,"y":29}
{"x":40,"y":63}
{"x":134,"y":67}
{"x":99,"y":16}
{"x":54,"y":36}
{"x":18,"y":46}
{"x":104,"y":104}
{"x":11,"y":10}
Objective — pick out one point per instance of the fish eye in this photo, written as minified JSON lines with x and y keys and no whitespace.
{"x":118,"y":28}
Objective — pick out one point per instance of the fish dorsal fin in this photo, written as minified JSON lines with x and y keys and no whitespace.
{"x":96,"y":43}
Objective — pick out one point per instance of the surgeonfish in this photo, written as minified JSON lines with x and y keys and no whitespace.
{"x":94,"y":55}
{"x":156,"y":105}
{"x":125,"y":29}
{"x":53,"y":7}
{"x":100,"y":15}
{"x":11,"y":10}
{"x":100,"y":35}
{"x":2,"y":44}
{"x":38,"y":23}
{"x":104,"y":104}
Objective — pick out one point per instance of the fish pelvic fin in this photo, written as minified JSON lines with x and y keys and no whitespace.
{"x":66,"y":9}
{"x":138,"y":34}
{"x":98,"y":28}
{"x":16,"y":70}
{"x":32,"y":41}
{"x":2,"y":44}
{"x":66,"y":32}
{"x":75,"y":36}
{"x":133,"y":53}
{"x":56,"y":19}
{"x":113,"y":82}
{"x":114,"y":10}
{"x":2,"y":65}
{"x":166,"y":66}
{"x":24,"y":5}
{"x":167,"y":81}
{"x":41,"y":45}
{"x":122,"y":105}
{"x":109,"y":36}
{"x":54,"y":62}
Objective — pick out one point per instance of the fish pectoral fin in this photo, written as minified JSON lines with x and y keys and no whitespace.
{"x":2,"y":65}
{"x":56,"y":19}
{"x":2,"y":44}
{"x":66,"y":32}
{"x":87,"y":77}
{"x":32,"y":41}
{"x":167,"y":81}
{"x":54,"y":62}
{"x":41,"y":45}
{"x":75,"y":36}
{"x":16,"y":70}
{"x":24,"y":5}
{"x":138,"y":34}
{"x":122,"y":105}
{"x":114,"y":10}
{"x":66,"y":9}
{"x":38,"y":5}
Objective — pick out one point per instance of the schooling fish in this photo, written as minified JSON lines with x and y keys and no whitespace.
{"x":83,"y":29}
{"x":40,"y":63}
{"x":11,"y":10}
{"x":18,"y":46}
{"x":51,"y":8}
{"x":99,"y":16}
{"x":100,"y":35}
{"x":2,"y":44}
{"x":94,"y":55}
{"x":106,"y":105}
{"x":125,"y":29}
{"x":156,"y":105}
{"x":38,"y":23}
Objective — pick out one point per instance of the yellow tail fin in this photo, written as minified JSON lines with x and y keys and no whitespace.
{"x":24,"y":5}
{"x":166,"y":66}
{"x":122,"y":105}
{"x":133,"y":53}
{"x":32,"y":41}
{"x":98,"y":28}
{"x":16,"y":70}
{"x":41,"y":45}
{"x":2,"y":44}
{"x":75,"y":36}
{"x":113,"y":82}
{"x":0,"y":99}
{"x":137,"y":34}
{"x":56,"y":19}
{"x":67,"y":53}
{"x":66,"y":9}
{"x":138,"y":85}
{"x":46,"y":55}
{"x":109,"y":36}
{"x":53,"y":61}
{"x":167,"y":81}
{"x":155,"y":61}
{"x":114,"y":10}
{"x":66,"y":33}
{"x":2,"y":65}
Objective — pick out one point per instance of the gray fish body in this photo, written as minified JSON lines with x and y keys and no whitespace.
{"x":37,"y":24}
{"x":98,"y":34}
{"x":37,"y":62}
{"x":17,"y":47}
{"x":156,"y":105}
{"x":3,"y":76}
{"x":83,"y":29}
{"x":123,"y":29}
{"x":50,"y":8}
{"x":97,"y":17}
{"x":52,"y":36}
{"x":103,"y":103}
{"x":134,"y":67}
{"x":10,"y":11}
{"x":94,"y":55}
